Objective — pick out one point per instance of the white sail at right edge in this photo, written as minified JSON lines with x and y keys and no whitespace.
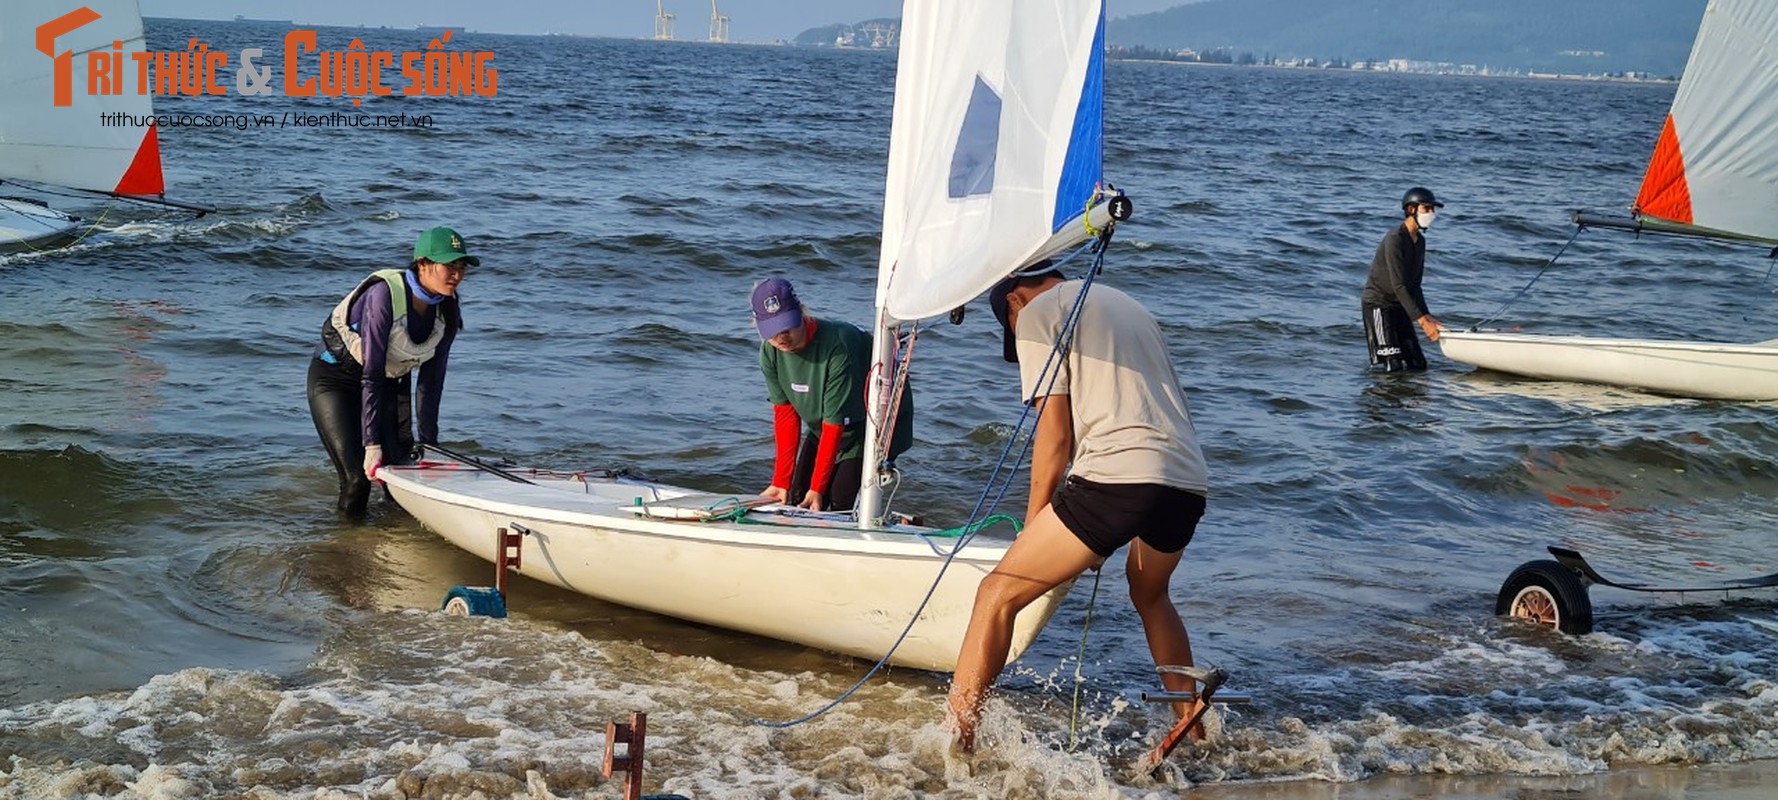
{"x":1716,"y":163}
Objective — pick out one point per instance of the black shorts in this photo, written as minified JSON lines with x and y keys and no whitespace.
{"x":1393,"y":340}
{"x":1107,"y":516}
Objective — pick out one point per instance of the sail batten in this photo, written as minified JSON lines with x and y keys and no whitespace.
{"x":996,"y":144}
{"x":1715,"y":165}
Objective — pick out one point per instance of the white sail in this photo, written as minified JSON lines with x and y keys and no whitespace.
{"x":995,"y":147}
{"x":1716,"y":163}
{"x":71,"y":145}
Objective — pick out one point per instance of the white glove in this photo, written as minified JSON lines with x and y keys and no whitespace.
{"x":373,"y":459}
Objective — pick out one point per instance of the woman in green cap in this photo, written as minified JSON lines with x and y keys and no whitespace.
{"x":395,"y":322}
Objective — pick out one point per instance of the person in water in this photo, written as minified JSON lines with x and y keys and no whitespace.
{"x":816,"y":374}
{"x":1115,"y":421}
{"x":360,"y":380}
{"x":1392,"y":303}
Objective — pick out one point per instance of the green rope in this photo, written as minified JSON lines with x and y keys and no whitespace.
{"x":970,"y":529}
{"x":734,"y":514}
{"x":1080,"y":659}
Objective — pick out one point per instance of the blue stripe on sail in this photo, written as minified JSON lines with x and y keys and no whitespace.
{"x":1083,"y":166}
{"x":978,"y":144}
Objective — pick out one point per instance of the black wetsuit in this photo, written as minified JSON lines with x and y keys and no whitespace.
{"x":1392,"y":301}
{"x":351,"y":411}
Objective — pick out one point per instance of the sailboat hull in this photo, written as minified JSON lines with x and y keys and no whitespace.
{"x":812,"y":581}
{"x":26,"y":226}
{"x":1682,"y":369}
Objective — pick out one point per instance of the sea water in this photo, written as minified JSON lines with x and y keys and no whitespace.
{"x":184,"y":614}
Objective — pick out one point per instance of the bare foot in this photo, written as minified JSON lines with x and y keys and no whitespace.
{"x":962,"y":732}
{"x":962,"y":716}
{"x":1196,"y":732}
{"x":1184,"y":710}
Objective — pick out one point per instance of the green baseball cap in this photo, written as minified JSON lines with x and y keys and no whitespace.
{"x":444,"y":246}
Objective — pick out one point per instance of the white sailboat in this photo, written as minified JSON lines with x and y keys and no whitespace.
{"x":43,"y":61}
{"x":1714,"y":173}
{"x":994,"y":161}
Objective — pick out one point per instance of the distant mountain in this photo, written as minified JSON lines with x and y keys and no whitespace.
{"x":1574,"y":36}
{"x":872,"y":33}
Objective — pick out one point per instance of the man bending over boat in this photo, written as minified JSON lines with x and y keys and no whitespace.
{"x":1392,"y":303}
{"x":1115,"y":421}
{"x":816,"y":371}
{"x":359,"y":382}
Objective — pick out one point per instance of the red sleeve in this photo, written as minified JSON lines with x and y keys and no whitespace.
{"x":824,"y":457}
{"x":786,"y":429}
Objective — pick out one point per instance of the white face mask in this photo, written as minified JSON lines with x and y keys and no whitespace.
{"x":1424,"y":219}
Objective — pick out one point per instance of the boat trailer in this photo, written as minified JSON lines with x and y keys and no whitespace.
{"x":490,"y":601}
{"x":629,"y":735}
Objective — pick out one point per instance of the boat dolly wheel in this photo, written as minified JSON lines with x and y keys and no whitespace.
{"x":1548,"y":593}
{"x":474,"y":601}
{"x":490,"y":601}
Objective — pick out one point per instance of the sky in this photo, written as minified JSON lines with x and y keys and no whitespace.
{"x":749,"y":20}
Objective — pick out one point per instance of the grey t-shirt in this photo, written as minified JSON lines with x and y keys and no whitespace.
{"x":1130,"y":419}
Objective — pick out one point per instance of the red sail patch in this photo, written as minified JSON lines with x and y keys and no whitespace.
{"x":144,"y":174}
{"x":1664,"y":191}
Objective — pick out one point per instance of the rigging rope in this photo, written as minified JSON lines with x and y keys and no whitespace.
{"x":1527,"y":287}
{"x":1080,"y":660}
{"x":1045,"y":379}
{"x":892,"y":406}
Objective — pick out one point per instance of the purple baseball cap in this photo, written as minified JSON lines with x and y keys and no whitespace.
{"x":775,"y":307}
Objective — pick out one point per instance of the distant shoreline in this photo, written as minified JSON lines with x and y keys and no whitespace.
{"x":1527,"y":76}
{"x":1668,"y":81}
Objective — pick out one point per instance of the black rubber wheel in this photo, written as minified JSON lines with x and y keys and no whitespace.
{"x":473,"y":601}
{"x":1547,"y":593}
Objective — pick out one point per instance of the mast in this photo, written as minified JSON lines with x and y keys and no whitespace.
{"x":663,"y":22}
{"x":882,"y":384}
{"x":718,"y":25}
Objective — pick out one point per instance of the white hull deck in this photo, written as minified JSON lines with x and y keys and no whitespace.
{"x":26,"y":226}
{"x":811,"y":580}
{"x":1683,"y":369}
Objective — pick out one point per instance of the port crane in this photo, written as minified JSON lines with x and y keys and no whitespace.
{"x":718,"y":24}
{"x":663,"y":22}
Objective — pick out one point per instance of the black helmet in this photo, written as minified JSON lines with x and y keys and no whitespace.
{"x":1420,"y":195}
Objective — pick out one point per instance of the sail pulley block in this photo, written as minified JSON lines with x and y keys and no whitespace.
{"x":1120,"y":207}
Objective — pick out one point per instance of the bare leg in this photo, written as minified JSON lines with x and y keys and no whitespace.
{"x":1043,"y":556}
{"x":1149,"y":572}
